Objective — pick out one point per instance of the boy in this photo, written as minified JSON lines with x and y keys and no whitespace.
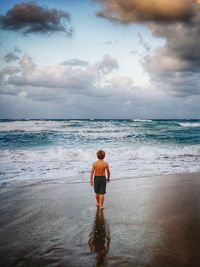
{"x":98,"y":173}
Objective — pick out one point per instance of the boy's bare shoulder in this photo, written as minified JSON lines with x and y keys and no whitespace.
{"x":106,"y":163}
{"x":95,"y":163}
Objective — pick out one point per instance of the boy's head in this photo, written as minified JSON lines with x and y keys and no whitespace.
{"x":101,"y":154}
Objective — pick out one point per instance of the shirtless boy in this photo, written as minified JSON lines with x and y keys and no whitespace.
{"x":99,"y":168}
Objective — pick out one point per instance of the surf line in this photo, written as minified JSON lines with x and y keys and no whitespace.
{"x":80,"y":182}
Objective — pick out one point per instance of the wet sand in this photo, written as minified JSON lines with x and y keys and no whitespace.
{"x":152,"y":221}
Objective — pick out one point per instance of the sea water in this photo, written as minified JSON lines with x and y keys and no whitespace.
{"x":62,"y":151}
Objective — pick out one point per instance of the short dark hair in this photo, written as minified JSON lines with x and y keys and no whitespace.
{"x":101,"y":154}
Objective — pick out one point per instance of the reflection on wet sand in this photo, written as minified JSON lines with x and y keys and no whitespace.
{"x":99,"y":238}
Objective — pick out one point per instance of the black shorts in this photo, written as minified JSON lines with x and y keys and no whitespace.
{"x":100,"y":184}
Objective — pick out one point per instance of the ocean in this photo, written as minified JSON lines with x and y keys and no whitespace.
{"x":62,"y":151}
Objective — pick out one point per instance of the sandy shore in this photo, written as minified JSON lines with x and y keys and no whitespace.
{"x":152,"y":221}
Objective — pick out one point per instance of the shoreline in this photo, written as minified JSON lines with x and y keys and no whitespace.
{"x":40,"y":183}
{"x":146,"y":222}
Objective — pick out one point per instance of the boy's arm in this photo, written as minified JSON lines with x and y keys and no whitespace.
{"x":108,"y":172}
{"x":92,"y":175}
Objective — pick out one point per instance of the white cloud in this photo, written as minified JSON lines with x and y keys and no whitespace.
{"x":61,"y":81}
{"x":26,"y":64}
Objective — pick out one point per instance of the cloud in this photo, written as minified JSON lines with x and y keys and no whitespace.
{"x":26,"y":64}
{"x":10,"y":57}
{"x":48,"y":105}
{"x":124,"y":86}
{"x":1,"y":78}
{"x":75,"y":62}
{"x":71,"y":91}
{"x":173,"y":68}
{"x":107,"y":64}
{"x":10,"y":70}
{"x":60,"y":81}
{"x":128,"y":11}
{"x":29,"y":17}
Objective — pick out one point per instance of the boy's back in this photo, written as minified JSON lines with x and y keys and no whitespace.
{"x":100,"y":166}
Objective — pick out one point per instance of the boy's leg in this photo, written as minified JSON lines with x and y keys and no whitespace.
{"x":97,"y":199}
{"x":101,"y":200}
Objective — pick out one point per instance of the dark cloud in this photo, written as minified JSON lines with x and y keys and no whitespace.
{"x":75,"y":62}
{"x":128,"y":11}
{"x":10,"y":57}
{"x":175,"y":67}
{"x":29,"y":17}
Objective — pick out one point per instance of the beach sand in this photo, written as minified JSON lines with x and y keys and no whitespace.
{"x":152,"y":221}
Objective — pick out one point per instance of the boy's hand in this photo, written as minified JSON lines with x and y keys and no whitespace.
{"x":91,"y":183}
{"x":108,"y":180}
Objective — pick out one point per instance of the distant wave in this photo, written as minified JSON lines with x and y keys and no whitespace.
{"x":142,"y":120}
{"x":189,"y":124}
{"x":34,"y":126}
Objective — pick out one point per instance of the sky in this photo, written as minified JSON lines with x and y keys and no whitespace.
{"x":80,"y":59}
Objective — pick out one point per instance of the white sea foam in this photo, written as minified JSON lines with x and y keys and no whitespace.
{"x":63,"y":165}
{"x":189,"y":124}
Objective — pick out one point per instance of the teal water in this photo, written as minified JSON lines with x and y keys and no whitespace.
{"x":63,"y":150}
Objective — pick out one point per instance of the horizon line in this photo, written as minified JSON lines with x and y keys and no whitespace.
{"x":92,"y":119}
